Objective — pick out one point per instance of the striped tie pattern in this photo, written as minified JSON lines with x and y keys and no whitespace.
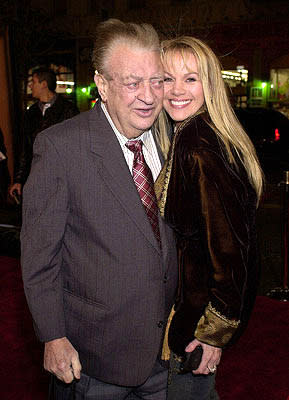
{"x":143,"y":179}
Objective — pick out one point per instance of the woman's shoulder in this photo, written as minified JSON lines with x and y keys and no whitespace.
{"x":197,"y":134}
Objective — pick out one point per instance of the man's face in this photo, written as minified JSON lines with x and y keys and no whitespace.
{"x":134,"y":95}
{"x":36,"y":87}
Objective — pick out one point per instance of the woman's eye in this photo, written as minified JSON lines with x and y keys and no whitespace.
{"x":191,"y":79}
{"x":167,"y":79}
{"x":157,"y":82}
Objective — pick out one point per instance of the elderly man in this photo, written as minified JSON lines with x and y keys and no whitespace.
{"x":99,"y":266}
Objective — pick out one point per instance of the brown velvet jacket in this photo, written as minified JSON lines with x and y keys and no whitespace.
{"x":211,"y":206}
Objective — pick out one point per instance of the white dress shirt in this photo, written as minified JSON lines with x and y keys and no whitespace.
{"x":149,"y":147}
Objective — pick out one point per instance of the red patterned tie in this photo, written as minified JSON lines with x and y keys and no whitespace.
{"x":144,"y":182}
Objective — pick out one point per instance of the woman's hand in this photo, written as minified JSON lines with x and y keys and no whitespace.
{"x":210,"y":359}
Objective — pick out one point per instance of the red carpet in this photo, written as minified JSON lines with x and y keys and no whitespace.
{"x":256,"y":368}
{"x":21,"y":373}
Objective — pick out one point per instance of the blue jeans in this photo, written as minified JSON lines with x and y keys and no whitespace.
{"x":189,"y":386}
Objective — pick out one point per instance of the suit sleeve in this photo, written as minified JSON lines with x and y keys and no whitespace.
{"x":226,"y":235}
{"x":45,"y":210}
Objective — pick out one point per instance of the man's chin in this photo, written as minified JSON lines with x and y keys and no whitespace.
{"x":145,"y":122}
{"x":139,"y":125}
{"x":145,"y":127}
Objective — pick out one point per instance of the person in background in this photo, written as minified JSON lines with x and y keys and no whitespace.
{"x":208,"y":193}
{"x":99,"y":265}
{"x":50,"y":108}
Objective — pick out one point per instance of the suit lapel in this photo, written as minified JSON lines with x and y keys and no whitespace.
{"x":115,"y":172}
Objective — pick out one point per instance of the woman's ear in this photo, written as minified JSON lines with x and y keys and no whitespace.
{"x":101,"y":85}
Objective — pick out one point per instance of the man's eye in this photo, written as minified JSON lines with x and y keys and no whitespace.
{"x":167,"y":79}
{"x":132,"y":85}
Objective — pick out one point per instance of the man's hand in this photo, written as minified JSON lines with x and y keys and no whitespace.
{"x":210,"y":359}
{"x":17,"y":187}
{"x":61,"y":359}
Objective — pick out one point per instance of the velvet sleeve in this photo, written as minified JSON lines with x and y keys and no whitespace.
{"x":224,"y":231}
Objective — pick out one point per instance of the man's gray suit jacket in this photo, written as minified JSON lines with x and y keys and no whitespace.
{"x":92,"y":268}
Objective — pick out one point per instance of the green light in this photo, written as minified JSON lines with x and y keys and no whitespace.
{"x":68,"y":90}
{"x":84,"y":90}
{"x":264,"y":84}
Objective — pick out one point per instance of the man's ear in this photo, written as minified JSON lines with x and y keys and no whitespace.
{"x":44,"y":84}
{"x":101,"y":85}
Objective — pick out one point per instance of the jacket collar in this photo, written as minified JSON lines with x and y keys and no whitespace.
{"x":115,"y":172}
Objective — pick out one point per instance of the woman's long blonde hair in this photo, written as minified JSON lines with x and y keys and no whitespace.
{"x":223,"y":119}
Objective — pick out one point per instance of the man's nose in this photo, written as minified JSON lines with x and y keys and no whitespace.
{"x":146,"y":93}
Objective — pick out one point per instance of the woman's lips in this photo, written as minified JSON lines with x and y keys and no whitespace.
{"x":179,"y":103}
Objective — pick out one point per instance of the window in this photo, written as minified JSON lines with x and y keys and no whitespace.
{"x":279,"y":87}
{"x":256,"y":93}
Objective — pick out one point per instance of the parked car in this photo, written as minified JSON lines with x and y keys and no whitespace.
{"x":269,"y":131}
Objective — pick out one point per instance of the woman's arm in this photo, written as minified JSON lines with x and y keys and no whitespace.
{"x":225,"y":233}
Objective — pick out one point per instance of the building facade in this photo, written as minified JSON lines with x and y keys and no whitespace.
{"x":251,"y":38}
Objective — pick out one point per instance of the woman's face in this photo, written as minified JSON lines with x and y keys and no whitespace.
{"x":183,"y":90}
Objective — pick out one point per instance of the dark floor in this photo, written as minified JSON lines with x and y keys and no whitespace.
{"x":269,"y":225}
{"x":10,"y":221}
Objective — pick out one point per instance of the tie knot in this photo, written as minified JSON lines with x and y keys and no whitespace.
{"x":135,"y":146}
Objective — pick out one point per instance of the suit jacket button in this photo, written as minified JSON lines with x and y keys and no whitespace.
{"x":160,"y":324}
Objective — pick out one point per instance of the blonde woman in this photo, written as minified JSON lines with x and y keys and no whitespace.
{"x":208,"y":193}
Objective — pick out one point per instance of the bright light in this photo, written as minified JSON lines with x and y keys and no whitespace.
{"x":65,"y":83}
{"x":264,"y":84}
{"x":277,"y":135}
{"x":68,"y":90}
{"x":239,"y":75}
{"x":84,"y":90}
